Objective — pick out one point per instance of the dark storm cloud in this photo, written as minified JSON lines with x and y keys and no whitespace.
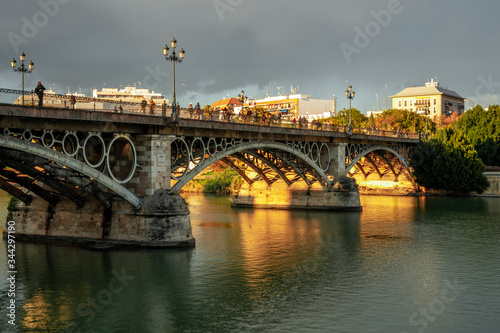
{"x":241,"y":44}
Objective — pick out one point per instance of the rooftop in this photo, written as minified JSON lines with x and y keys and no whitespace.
{"x":431,"y":88}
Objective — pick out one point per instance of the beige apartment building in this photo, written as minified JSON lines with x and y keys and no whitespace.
{"x":431,"y":99}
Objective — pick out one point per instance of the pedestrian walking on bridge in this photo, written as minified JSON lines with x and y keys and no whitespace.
{"x":151,"y":106}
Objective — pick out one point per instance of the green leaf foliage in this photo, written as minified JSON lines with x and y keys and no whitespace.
{"x":342,"y":118}
{"x":482,"y":128}
{"x":396,"y":119}
{"x":449,"y":162}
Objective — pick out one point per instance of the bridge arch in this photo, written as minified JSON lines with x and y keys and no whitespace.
{"x":251,"y":145}
{"x":70,"y":163}
{"x":354,"y":156}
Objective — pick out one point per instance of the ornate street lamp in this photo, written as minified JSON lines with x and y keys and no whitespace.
{"x":350,"y":96}
{"x":23,"y":70}
{"x":173,"y":58}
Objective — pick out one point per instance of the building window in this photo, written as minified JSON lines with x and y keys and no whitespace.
{"x":399,"y":103}
{"x":434,"y":109}
{"x":411,"y":103}
{"x":406,"y":103}
{"x":435,"y":101}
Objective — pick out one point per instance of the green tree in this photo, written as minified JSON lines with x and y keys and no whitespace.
{"x":483,"y":130}
{"x":342,"y":117}
{"x":396,"y":119}
{"x":449,"y":162}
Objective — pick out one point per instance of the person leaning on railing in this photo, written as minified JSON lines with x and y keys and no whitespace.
{"x":39,"y":89}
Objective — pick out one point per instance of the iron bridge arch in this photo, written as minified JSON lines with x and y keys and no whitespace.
{"x":269,"y":160}
{"x":393,"y":158}
{"x":68,"y":162}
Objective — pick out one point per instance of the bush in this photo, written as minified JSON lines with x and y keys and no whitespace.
{"x":449,"y":162}
{"x":220,"y":183}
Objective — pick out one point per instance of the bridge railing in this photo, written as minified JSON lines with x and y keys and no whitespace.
{"x":11,"y":96}
{"x":285,"y":123}
{"x":14,"y":97}
{"x":70,"y":101}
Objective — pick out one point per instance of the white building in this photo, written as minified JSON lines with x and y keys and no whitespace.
{"x":432,"y":100}
{"x":129,"y":94}
{"x":297,"y":105}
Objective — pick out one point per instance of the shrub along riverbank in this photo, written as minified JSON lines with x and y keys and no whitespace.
{"x":219,"y":181}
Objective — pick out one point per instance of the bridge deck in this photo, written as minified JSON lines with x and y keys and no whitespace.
{"x":17,"y":116}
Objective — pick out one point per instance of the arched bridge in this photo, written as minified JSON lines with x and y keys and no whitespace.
{"x":125,"y":158}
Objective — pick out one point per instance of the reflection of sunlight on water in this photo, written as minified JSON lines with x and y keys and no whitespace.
{"x":43,"y":316}
{"x":389,"y":216}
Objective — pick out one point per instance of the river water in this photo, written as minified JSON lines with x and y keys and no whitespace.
{"x":403,"y":264}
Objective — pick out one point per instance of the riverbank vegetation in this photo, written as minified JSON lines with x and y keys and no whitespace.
{"x":219,"y":180}
{"x":454,"y":159}
{"x":389,"y":120}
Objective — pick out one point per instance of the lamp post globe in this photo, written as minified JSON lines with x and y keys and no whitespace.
{"x":173,"y":58}
{"x":350,"y":96}
{"x":22,"y":69}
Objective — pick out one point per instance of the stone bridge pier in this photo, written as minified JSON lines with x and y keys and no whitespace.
{"x":338,"y":192}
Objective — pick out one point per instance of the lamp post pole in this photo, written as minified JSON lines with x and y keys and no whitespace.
{"x":23,"y":70}
{"x":173,"y":58}
{"x":350,"y":96}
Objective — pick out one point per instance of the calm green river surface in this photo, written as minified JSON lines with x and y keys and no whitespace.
{"x":403,"y":264}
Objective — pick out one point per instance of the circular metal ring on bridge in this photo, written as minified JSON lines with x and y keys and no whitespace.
{"x":212,"y":146}
{"x":197,"y":151}
{"x":223,"y":144}
{"x":70,"y":144}
{"x":324,"y":151}
{"x":27,"y":135}
{"x":180,"y":170}
{"x":94,"y":149}
{"x":307,"y":149}
{"x":121,"y":151}
{"x":48,"y":139}
{"x":6,"y":131}
{"x":314,"y":152}
{"x":174,"y":151}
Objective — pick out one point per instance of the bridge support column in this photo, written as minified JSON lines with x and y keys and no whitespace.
{"x":337,"y":160}
{"x":153,"y":157}
{"x":164,"y":216}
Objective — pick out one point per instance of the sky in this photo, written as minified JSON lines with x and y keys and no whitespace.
{"x":262,"y":47}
